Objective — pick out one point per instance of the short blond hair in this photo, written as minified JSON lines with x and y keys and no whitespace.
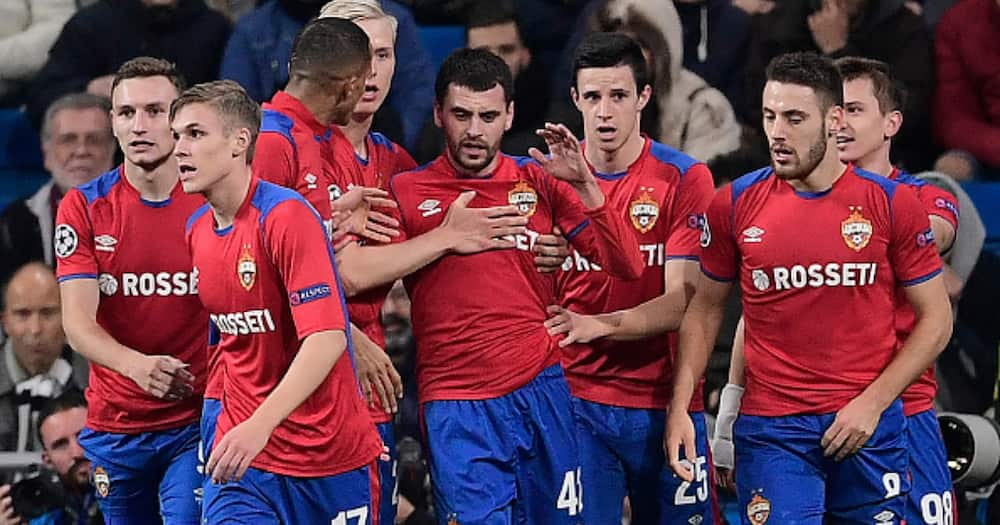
{"x":355,"y":10}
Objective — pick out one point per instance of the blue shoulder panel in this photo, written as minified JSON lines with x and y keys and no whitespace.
{"x":743,"y":183}
{"x":195,"y":216}
{"x":381,"y":140}
{"x":101,"y":186}
{"x":277,"y":122}
{"x":668,"y":155}
{"x":888,"y":186}
{"x":268,"y":196}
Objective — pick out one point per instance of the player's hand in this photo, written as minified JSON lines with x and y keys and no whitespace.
{"x":473,"y":230}
{"x":830,"y":26}
{"x":7,"y":515}
{"x":377,"y":374}
{"x":161,"y":376}
{"x":550,"y":251}
{"x":353,"y":214}
{"x":851,"y":429}
{"x":237,"y":449}
{"x":565,"y":161}
{"x":680,"y":434}
{"x":578,"y":328}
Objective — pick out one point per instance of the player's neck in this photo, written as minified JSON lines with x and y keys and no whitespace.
{"x":824,"y":175}
{"x":153,"y":184}
{"x":618,"y":160}
{"x":316,"y":103}
{"x":357,"y":130}
{"x":876,"y":162}
{"x":227,"y":195}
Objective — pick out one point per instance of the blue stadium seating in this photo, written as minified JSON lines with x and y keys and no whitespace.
{"x":440,"y":41}
{"x":986,"y":197}
{"x":21,"y":171}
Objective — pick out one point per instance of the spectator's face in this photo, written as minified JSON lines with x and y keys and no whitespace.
{"x":474,"y":123}
{"x":380,"y":33}
{"x":796,"y":128}
{"x":611,"y":105}
{"x":397,"y":303}
{"x":62,"y":451}
{"x":32,"y":319}
{"x":865,"y":130}
{"x":160,"y":3}
{"x":205,"y":151}
{"x":140,"y":115}
{"x":503,"y":41}
{"x":79,"y":146}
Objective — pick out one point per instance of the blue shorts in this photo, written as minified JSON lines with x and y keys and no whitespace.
{"x":261,"y":497}
{"x":387,"y":482}
{"x":507,"y":460}
{"x":781,"y":472}
{"x":931,"y":500}
{"x":210,"y":410}
{"x":141,"y":478}
{"x":621,"y":453}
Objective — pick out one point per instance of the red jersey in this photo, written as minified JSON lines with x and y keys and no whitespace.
{"x":477,"y":319}
{"x":818,"y":272}
{"x":135,"y":249}
{"x":920,"y":395}
{"x":268,"y":282}
{"x":663,"y":195}
{"x":385,"y":159}
{"x":295,"y":151}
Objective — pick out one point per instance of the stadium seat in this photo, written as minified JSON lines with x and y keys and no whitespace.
{"x":986,"y":197}
{"x":440,"y":41}
{"x":19,"y":145}
{"x":15,"y":184}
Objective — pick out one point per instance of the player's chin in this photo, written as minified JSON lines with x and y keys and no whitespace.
{"x":191,"y":185}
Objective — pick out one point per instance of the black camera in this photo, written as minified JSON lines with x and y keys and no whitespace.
{"x":38,"y":492}
{"x":973,"y":446}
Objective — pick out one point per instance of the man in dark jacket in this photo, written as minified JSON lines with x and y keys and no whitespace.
{"x":77,"y":147}
{"x":100,"y":38}
{"x":884,"y":30}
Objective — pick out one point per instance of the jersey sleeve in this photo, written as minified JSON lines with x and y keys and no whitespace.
{"x":912,"y":251}
{"x":719,"y":256}
{"x":404,"y":161}
{"x":274,"y":159}
{"x":693,"y":197}
{"x":73,"y":240}
{"x":940,"y":203}
{"x":296,"y":241}
{"x":599,"y":234}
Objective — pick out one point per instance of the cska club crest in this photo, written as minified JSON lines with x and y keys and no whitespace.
{"x":246,"y":269}
{"x":856,"y":229}
{"x":644,"y":212}
{"x":102,"y":482}
{"x":524,"y":197}
{"x":758,"y":510}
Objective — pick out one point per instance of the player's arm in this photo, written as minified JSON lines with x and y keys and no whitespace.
{"x":162,"y":376}
{"x":917,"y":266}
{"x":697,"y":334}
{"x":464,"y":230}
{"x":310,"y":367}
{"x":600,"y":233}
{"x":656,"y":316}
{"x":730,"y":401}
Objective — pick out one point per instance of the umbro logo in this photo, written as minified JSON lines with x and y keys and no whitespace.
{"x":310,"y":181}
{"x":105,"y":243}
{"x":753,"y":234}
{"x":430,"y":207}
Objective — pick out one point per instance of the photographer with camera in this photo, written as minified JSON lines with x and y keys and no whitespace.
{"x":59,"y":492}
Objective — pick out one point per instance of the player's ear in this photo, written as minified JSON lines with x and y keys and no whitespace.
{"x":438,"y":120}
{"x":241,"y":142}
{"x":893,"y":123}
{"x":510,"y":116}
{"x":834,"y":120}
{"x":644,"y":96}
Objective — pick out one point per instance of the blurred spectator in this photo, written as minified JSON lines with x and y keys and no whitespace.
{"x":233,"y":9}
{"x":967,"y":103}
{"x":258,"y":51}
{"x":684,"y":112}
{"x":492,"y":25}
{"x":77,"y":146}
{"x":716,"y":35}
{"x":27,"y":30}
{"x":36,"y":365}
{"x":100,"y":38}
{"x":883,"y":30}
{"x":59,"y":424}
